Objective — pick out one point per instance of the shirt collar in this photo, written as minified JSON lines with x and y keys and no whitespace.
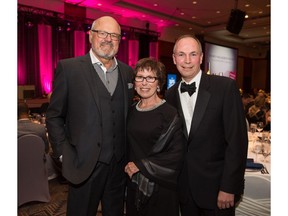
{"x":196,"y":79}
{"x":95,"y":60}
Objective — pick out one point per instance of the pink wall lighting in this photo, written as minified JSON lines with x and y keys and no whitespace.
{"x":153,"y":49}
{"x":45,"y":56}
{"x":133,"y":52}
{"x":79,"y":43}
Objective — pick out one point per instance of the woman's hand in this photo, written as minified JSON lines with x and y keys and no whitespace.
{"x":131,"y":169}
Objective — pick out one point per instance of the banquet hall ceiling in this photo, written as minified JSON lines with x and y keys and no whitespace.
{"x":200,"y":16}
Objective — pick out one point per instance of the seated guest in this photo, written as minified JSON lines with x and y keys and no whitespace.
{"x":247,"y":101}
{"x":44,"y":106}
{"x":27,"y":126}
{"x":267,"y":126}
{"x":256,"y":113}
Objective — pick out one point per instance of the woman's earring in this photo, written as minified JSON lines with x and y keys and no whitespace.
{"x":158,"y":89}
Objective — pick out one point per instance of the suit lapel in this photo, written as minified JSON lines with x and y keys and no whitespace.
{"x":174,"y":99}
{"x":201,"y":104}
{"x":125,"y":87}
{"x":90,"y":75}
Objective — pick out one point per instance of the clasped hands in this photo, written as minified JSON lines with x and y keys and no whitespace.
{"x":131,"y":169}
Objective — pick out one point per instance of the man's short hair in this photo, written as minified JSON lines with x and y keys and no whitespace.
{"x":22,"y":109}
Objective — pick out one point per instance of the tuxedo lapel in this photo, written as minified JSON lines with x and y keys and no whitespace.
{"x":201,"y":104}
{"x":174,"y":99}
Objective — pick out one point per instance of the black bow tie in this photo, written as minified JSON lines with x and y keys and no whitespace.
{"x":190,"y":88}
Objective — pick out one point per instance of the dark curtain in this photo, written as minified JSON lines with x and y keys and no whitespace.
{"x":28,"y":50}
{"x":62,"y":45}
{"x":28,"y":60}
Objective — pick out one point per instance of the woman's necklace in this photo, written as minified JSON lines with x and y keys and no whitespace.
{"x":149,"y":108}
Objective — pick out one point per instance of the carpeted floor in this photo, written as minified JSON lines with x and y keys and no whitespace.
{"x":56,"y":206}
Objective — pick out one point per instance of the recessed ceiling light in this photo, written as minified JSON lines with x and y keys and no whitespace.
{"x":218,"y":12}
{"x":247,"y":5}
{"x":155,"y":5}
{"x":194,"y":2}
{"x":193,"y":17}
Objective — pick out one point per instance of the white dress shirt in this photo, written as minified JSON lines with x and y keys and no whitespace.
{"x":187,"y":102}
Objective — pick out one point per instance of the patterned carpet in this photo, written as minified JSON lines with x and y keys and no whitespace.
{"x":56,"y":206}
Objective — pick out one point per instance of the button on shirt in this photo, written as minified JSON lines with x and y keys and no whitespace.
{"x":188,"y":102}
{"x":109,"y":77}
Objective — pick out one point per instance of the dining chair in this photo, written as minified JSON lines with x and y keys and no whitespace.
{"x":32,"y":173}
{"x":256,"y":199}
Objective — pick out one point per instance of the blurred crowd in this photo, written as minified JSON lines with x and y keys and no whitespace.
{"x":257,"y":107}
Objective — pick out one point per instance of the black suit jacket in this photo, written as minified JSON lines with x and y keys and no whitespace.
{"x":73,"y":117}
{"x":217,"y":143}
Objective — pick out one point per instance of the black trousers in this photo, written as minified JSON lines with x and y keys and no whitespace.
{"x":106,"y":184}
{"x":191,"y":208}
{"x":163,"y":202}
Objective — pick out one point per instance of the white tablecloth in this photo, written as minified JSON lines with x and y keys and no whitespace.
{"x":256,"y":198}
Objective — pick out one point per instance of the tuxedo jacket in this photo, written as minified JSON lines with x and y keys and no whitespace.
{"x":73,"y":117}
{"x":217,"y":142}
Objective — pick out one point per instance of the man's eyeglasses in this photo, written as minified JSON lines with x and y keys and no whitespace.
{"x":104,"y":34}
{"x":149,"y":79}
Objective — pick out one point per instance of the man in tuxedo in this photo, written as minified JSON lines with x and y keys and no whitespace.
{"x":212,"y":178}
{"x":86,"y":122}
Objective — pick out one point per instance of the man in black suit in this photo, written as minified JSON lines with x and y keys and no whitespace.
{"x":86,"y":122}
{"x":212,"y":178}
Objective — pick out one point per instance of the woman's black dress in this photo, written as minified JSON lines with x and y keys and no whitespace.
{"x":159,"y":160}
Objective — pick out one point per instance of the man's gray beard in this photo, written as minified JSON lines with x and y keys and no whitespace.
{"x":103,"y":55}
{"x":106,"y":56}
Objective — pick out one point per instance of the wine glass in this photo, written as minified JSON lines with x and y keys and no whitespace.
{"x":257,"y":149}
{"x":253,"y":127}
{"x":260,"y":126}
{"x":266,"y":150}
